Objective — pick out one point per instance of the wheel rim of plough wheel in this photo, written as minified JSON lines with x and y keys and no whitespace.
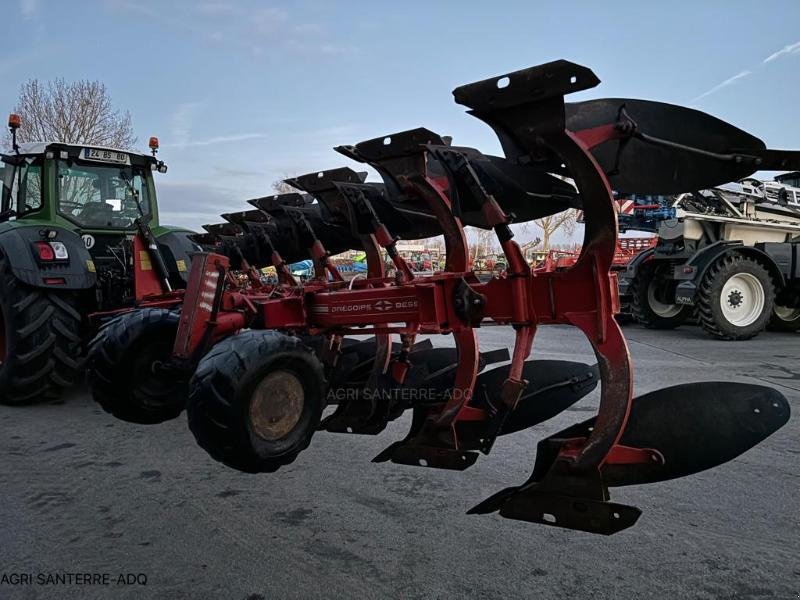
{"x":276,"y":405}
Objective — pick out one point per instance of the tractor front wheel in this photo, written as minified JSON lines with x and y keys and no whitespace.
{"x":40,"y":340}
{"x":126,"y":367}
{"x":256,"y":399}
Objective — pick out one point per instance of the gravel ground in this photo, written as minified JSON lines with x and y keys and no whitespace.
{"x":84,"y":493}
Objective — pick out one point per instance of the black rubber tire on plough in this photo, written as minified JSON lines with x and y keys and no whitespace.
{"x":353,"y":365}
{"x":709,"y":309}
{"x":40,"y":334}
{"x":256,"y":400}
{"x":123,"y":363}
{"x":641,"y":308}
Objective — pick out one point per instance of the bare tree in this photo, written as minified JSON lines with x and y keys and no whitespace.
{"x":77,"y":112}
{"x":483,"y":242}
{"x":281,"y":187}
{"x":435,"y":243}
{"x":549,"y":225}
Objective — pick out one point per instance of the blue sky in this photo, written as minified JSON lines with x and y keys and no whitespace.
{"x":243,"y":92}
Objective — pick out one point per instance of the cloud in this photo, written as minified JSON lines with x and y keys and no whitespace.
{"x":182,"y":120}
{"x":335,"y":49}
{"x":222,"y":139}
{"x":316,"y":50}
{"x":266,"y":31}
{"x":268,"y":20}
{"x":217,"y":8}
{"x":307,"y":29}
{"x":192,"y":204}
{"x":29,"y":8}
{"x":132,"y":6}
{"x":790,"y":49}
{"x":228,"y":172}
{"x":724,"y":84}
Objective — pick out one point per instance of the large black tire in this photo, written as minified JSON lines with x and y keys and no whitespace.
{"x":256,"y":400}
{"x":728,"y":302}
{"x":784,"y":319}
{"x":40,"y":340}
{"x":645,"y":307}
{"x":124,"y":367}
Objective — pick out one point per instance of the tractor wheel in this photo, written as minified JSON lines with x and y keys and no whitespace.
{"x":735,"y":299}
{"x":125,"y":367}
{"x":647,"y":309}
{"x":785,"y":318}
{"x":255,"y":400}
{"x":40,"y":340}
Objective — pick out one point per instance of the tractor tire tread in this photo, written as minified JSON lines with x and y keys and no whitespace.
{"x":706,"y":312}
{"x":45,"y":344}
{"x":640,"y":309}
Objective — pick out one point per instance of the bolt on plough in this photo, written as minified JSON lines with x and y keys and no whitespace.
{"x":255,"y":364}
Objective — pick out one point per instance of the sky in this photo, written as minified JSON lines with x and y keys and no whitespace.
{"x":242,"y":93}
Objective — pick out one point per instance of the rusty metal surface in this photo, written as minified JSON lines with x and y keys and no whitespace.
{"x":276,"y":405}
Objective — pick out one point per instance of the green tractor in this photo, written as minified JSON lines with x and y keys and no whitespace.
{"x":80,"y":241}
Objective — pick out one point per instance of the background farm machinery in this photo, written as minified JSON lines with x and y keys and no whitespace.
{"x":627,"y":249}
{"x":255,"y":364}
{"x":727,"y":256}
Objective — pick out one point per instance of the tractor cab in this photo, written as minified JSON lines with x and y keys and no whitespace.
{"x":80,"y":187}
{"x":90,"y":212}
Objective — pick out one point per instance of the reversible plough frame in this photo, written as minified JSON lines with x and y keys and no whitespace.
{"x":625,"y":443}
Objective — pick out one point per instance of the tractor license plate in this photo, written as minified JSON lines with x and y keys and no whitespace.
{"x":107,"y":156}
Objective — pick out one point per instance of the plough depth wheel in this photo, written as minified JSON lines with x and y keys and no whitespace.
{"x":256,"y":400}
{"x":126,"y":371}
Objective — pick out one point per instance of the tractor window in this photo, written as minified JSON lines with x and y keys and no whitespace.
{"x":104,"y":196}
{"x":22,"y":187}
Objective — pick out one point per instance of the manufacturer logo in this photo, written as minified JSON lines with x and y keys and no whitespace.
{"x":382,"y":305}
{"x":399,"y":304}
{"x":350,"y":307}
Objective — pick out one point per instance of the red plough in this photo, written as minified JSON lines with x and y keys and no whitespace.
{"x":264,"y":360}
